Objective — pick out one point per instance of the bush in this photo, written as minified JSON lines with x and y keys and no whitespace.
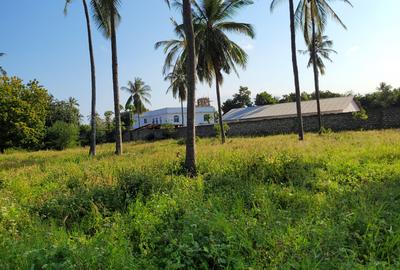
{"x":168,"y":131}
{"x":61,"y":136}
{"x":217,"y":129}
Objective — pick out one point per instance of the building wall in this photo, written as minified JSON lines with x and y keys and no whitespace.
{"x":377,"y":119}
{"x":168,"y":118}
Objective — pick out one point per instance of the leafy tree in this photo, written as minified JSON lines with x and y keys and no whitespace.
{"x":65,"y":110}
{"x":312,"y":15}
{"x":62,"y":135}
{"x":265,"y":98}
{"x":326,"y":94}
{"x":292,"y":97}
{"x":139,"y":94}
{"x":216,"y":52}
{"x":92,"y":150}
{"x":2,"y":70}
{"x":294,"y":63}
{"x":107,"y":17}
{"x":385,"y":96}
{"x":208,"y":118}
{"x":243,"y":97}
{"x":230,"y":104}
{"x":240,"y":100}
{"x":23,"y":110}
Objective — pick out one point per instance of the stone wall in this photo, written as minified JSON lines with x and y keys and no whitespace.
{"x":377,"y":119}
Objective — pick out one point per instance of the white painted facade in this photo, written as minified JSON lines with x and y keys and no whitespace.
{"x":174,"y":116}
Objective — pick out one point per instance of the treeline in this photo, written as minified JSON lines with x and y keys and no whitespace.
{"x":385,"y":96}
{"x":30,"y":118}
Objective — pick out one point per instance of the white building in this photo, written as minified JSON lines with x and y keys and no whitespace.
{"x":204,"y":116}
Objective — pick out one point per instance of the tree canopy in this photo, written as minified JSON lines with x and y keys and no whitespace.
{"x":264,"y":98}
{"x":23,"y":110}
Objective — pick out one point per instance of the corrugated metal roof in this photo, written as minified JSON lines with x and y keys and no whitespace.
{"x":328,"y":106}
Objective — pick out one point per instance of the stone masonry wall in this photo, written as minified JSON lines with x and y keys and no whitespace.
{"x":377,"y":119}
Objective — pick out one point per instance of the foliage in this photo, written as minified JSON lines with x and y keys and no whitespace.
{"x":292,"y":97}
{"x":66,"y":111}
{"x":240,"y":100}
{"x":362,"y":114}
{"x":168,"y":130}
{"x":23,"y":109}
{"x":257,"y":203}
{"x":385,"y":96}
{"x":3,"y":72}
{"x":208,"y":118}
{"x":101,"y":133}
{"x":139,"y":95}
{"x":265,"y":98}
{"x":326,"y":94}
{"x":217,"y":129}
{"x":323,"y":48}
{"x":62,"y":135}
{"x":230,"y":104}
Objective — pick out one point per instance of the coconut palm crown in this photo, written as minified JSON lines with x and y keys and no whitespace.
{"x":139,"y":95}
{"x":323,"y":49}
{"x":216,"y":52}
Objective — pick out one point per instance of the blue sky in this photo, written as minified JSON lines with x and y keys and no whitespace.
{"x":41,"y":43}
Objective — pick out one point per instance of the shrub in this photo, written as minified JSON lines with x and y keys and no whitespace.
{"x":168,"y":131}
{"x":61,"y":136}
{"x":217,"y":129}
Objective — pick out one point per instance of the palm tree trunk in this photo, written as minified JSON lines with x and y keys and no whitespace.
{"x":138,"y":117}
{"x":183,"y":121}
{"x":296,"y":70}
{"x":118,"y":131}
{"x":190,"y":162}
{"x":221,"y":124}
{"x":316,"y":75}
{"x":92,"y":151}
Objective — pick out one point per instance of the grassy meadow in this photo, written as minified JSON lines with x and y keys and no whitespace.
{"x":330,"y":202}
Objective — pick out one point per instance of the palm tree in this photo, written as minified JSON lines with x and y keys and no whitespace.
{"x":2,"y":71}
{"x":323,"y":48}
{"x":139,"y":94}
{"x":190,"y":60}
{"x":175,"y":50}
{"x":92,"y":150}
{"x":107,"y":17}
{"x":312,"y":16}
{"x":190,"y":162}
{"x":216,"y":52}
{"x":294,"y":63}
{"x":178,"y":85}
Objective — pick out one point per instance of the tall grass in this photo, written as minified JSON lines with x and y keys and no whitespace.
{"x":331,"y":202}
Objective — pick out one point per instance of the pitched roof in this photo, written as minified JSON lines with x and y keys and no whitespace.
{"x":284,"y":110}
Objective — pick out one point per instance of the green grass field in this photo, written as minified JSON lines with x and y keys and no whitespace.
{"x":330,"y":202}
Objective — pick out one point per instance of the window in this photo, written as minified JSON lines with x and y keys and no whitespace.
{"x":145,"y":121}
{"x":160,"y":120}
{"x":176,"y":118}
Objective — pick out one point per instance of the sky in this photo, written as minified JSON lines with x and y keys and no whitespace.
{"x":41,"y":43}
